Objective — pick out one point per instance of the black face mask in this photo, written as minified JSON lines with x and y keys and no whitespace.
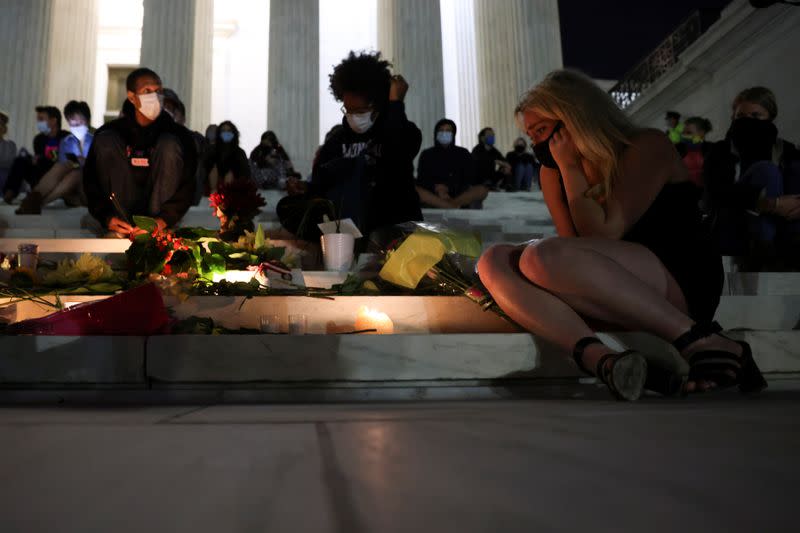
{"x":753,"y":138}
{"x":542,"y":150}
{"x":519,"y":149}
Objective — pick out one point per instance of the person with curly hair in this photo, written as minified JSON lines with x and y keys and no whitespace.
{"x":367,"y":167}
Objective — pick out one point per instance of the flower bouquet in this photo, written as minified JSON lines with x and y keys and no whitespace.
{"x":430,"y":259}
{"x":236,"y":204}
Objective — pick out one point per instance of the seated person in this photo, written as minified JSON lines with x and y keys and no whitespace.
{"x":64,"y":179}
{"x":366,"y":169}
{"x":693,"y":147}
{"x":144,"y":158}
{"x":177,"y":110}
{"x":629,"y":253}
{"x":490,"y":165}
{"x":45,"y":153}
{"x":524,"y":167}
{"x":446,"y":172}
{"x":753,"y":187}
{"x":8,"y":150}
{"x":270,"y":163}
{"x":674,"y":126}
{"x":226,"y":161}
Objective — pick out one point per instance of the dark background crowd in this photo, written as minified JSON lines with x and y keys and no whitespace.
{"x":371,"y":168}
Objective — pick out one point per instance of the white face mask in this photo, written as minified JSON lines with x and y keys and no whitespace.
{"x":150,"y":105}
{"x":79,"y":131}
{"x":360,"y":122}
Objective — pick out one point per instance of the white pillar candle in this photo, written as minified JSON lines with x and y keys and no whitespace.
{"x":373,"y":319}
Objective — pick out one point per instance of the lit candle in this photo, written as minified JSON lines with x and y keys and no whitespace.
{"x":234,"y":276}
{"x":372,"y":319}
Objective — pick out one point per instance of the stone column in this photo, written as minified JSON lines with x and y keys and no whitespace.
{"x":25,"y":27}
{"x":518,"y":43}
{"x":466,"y":57}
{"x":73,"y":53}
{"x":293,"y":98}
{"x":177,"y":38}
{"x":410,"y":36}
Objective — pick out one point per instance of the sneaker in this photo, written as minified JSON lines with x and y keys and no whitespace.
{"x":31,"y":205}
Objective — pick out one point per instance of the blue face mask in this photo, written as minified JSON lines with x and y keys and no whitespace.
{"x":490,"y":140}
{"x":226,"y":136}
{"x":42,"y":126}
{"x":444,"y":137}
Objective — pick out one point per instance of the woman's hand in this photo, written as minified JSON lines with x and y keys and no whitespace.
{"x":398,"y":88}
{"x":564,"y":152}
{"x":788,"y":207}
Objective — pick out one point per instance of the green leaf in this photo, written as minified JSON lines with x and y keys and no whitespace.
{"x":146,"y":223}
{"x":104,"y":287}
{"x":216,"y":263}
{"x":259,"y":240}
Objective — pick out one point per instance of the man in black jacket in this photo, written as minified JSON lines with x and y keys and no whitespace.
{"x":144,"y":158}
{"x":446,"y":175}
{"x":367,"y":168}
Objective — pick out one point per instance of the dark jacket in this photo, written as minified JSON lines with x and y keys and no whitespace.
{"x":719,"y":174}
{"x":46,"y":148}
{"x":726,"y":201}
{"x":142,"y":140}
{"x":449,"y":165}
{"x":370,"y":176}
{"x":484,"y":165}
{"x":228,"y":158}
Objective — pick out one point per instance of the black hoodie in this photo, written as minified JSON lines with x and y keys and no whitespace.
{"x":448,"y":165}
{"x":370,"y":175}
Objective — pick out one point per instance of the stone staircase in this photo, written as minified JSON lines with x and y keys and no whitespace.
{"x":443,"y":347}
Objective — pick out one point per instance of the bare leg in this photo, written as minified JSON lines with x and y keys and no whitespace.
{"x":51,"y":180}
{"x":612,"y":281}
{"x":66,"y":186}
{"x":532,"y":307}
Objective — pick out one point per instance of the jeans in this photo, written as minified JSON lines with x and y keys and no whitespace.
{"x":523,"y":176}
{"x":140,"y":190}
{"x":23,"y":169}
{"x":765,"y":174}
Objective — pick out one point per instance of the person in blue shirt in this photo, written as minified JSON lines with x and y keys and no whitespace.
{"x":64,"y":178}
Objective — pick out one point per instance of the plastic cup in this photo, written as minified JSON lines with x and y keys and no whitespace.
{"x":298,"y":324}
{"x":269,"y":323}
{"x":28,"y":256}
{"x":337,"y":251}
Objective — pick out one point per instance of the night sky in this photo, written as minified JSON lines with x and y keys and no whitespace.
{"x":606,"y":38}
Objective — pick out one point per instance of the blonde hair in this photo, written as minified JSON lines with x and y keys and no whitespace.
{"x":600,"y":130}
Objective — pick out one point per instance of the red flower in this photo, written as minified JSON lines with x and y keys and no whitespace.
{"x":239,"y":197}
{"x":167,"y":270}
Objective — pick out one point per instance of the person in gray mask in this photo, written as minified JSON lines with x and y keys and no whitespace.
{"x":144,"y":158}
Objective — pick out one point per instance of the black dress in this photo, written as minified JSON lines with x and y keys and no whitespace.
{"x":672,"y":229}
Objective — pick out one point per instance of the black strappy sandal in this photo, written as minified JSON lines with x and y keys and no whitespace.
{"x":723,"y":368}
{"x":626,"y":375}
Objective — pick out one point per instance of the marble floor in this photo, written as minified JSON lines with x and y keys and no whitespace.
{"x":713,"y":463}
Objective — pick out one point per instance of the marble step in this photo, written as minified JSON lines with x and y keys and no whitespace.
{"x":326,"y":360}
{"x":421,"y":314}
